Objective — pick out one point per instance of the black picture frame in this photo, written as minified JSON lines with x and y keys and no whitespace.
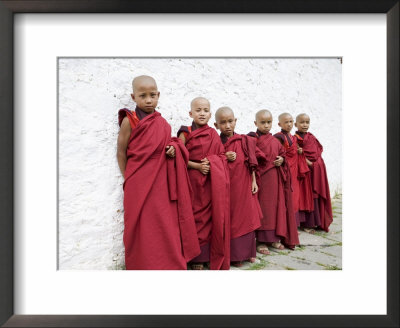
{"x":10,"y":7}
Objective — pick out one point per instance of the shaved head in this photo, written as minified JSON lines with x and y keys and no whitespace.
{"x":199,"y":100}
{"x":143,"y":80}
{"x":263,"y":121}
{"x":300,"y":116}
{"x":263,"y":112}
{"x":223,"y":110}
{"x":283,"y":116}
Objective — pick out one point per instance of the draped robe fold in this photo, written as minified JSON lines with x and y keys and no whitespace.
{"x":245,"y":209}
{"x":292,"y":161}
{"x":211,"y":207}
{"x":313,"y":150}
{"x":275,"y":195}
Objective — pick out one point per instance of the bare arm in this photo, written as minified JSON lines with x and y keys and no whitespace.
{"x":191,"y":165}
{"x":122,"y":144}
{"x":203,"y":167}
{"x":182,"y":137}
{"x":254,"y":187}
{"x":194,"y":165}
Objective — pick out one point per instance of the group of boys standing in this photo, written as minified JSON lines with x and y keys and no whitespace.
{"x":203,"y":199}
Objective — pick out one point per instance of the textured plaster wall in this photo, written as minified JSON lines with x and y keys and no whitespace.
{"x":92,"y":90}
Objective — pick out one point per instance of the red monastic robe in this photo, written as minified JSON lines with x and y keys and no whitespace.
{"x":245,"y":208}
{"x":275,"y":195}
{"x":291,"y":160}
{"x":160,"y":231}
{"x":306,"y":201}
{"x":312,"y":150}
{"x":211,"y":206}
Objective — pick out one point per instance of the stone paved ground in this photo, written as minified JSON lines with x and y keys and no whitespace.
{"x":321,"y":251}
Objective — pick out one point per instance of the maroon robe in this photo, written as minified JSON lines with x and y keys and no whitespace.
{"x":306,"y":201}
{"x":159,"y":231}
{"x":245,"y":208}
{"x":289,"y":142}
{"x":312,"y":150}
{"x":275,"y":195}
{"x":211,"y":207}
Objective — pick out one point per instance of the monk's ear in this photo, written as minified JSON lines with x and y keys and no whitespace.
{"x":255,"y":123}
{"x":133,"y":96}
{"x":190,"y":114}
{"x":158,"y":94}
{"x":235,"y":119}
{"x":295,"y":124}
{"x":279,"y":123}
{"x":216,"y":126}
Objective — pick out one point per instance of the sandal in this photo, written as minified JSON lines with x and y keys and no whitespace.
{"x":309,"y":230}
{"x":263,"y":249}
{"x":291,"y":247}
{"x":277,"y":245}
{"x":197,"y":266}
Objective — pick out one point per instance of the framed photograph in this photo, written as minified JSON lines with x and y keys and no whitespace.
{"x":47,"y":52}
{"x":246,"y":85}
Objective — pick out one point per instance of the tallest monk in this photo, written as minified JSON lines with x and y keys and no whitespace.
{"x":159,"y":228}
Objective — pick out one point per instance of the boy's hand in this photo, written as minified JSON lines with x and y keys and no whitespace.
{"x":230,"y":155}
{"x":300,"y":150}
{"x":204,"y":166}
{"x":278,"y":161}
{"x":170,"y":151}
{"x":254,"y":187}
{"x":309,"y":163}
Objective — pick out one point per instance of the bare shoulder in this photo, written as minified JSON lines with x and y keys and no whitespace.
{"x":125,"y":125}
{"x":124,"y":133}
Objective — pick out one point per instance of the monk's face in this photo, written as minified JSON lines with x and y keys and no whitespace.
{"x":303,"y":123}
{"x":286,"y":123}
{"x":226,"y":123}
{"x":200,"y":112}
{"x":146,"y":94}
{"x":264,"y":122}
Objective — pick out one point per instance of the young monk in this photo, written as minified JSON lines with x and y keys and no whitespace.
{"x":275,"y":197}
{"x":321,"y":216}
{"x":160,"y":231}
{"x":240,"y":151}
{"x":298,"y":168}
{"x":209,"y":177}
{"x":289,"y":142}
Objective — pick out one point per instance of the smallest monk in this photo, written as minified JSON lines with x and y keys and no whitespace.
{"x":278,"y":225}
{"x":321,"y":217}
{"x":240,"y":150}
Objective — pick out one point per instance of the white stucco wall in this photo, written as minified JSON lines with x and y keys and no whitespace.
{"x":92,"y":90}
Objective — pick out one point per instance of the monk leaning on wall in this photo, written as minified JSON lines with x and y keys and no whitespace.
{"x":159,"y":228}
